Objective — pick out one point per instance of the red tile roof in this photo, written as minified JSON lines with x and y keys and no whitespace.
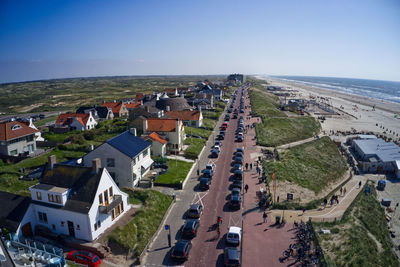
{"x":115,"y":106}
{"x":67,"y":118}
{"x":186,"y":115}
{"x":132,"y":105}
{"x":156,"y":137}
{"x":161,"y":125}
{"x":139,"y":97}
{"x":7,"y":132}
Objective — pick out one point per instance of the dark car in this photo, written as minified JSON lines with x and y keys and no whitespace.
{"x":189,"y":229}
{"x":238,"y":175}
{"x":237,"y":184}
{"x":234,"y":116}
{"x":222,"y":132}
{"x":204,"y":183}
{"x":208,"y":173}
{"x":235,"y":192}
{"x":215,"y":153}
{"x":235,"y":201}
{"x":239,"y":154}
{"x":218,"y":143}
{"x":231,"y":256}
{"x":220,"y":137}
{"x":240,"y":138}
{"x":239,"y":160}
{"x":240,"y":149}
{"x":84,"y":257}
{"x":195,"y":211}
{"x":181,"y":250}
{"x":237,"y":166}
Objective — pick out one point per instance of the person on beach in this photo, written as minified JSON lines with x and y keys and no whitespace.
{"x":265,"y":217}
{"x":246,"y":187}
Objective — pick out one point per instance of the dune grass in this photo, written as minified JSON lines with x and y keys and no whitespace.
{"x":361,"y":238}
{"x":312,"y":165}
{"x":204,"y":133}
{"x":278,"y":131}
{"x":264,"y":104}
{"x":137,"y":233}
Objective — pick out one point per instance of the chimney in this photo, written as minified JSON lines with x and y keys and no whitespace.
{"x":96,"y":165}
{"x":91,"y":147}
{"x":167,"y":108}
{"x":133,"y":131}
{"x":144,"y":125}
{"x":52,"y":161}
{"x":199,"y":108}
{"x":147,"y":108}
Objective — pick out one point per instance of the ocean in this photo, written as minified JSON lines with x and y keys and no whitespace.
{"x":385,"y":90}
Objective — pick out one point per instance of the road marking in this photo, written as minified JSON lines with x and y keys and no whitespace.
{"x":200,"y":198}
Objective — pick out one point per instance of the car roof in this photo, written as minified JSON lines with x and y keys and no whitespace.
{"x":203,"y":179}
{"x":235,"y":197}
{"x":194,"y":206}
{"x":233,"y":253}
{"x":190,"y":221}
{"x":181,"y":244}
{"x":236,"y":189}
{"x":234,"y":229}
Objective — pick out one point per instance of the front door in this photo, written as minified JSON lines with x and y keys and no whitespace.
{"x":27,"y":230}
{"x":71,"y":229}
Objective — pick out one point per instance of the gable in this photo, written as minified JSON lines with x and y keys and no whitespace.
{"x":14,"y":129}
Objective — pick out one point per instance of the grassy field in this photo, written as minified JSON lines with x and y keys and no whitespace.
{"x":204,"y":133}
{"x":65,"y":94}
{"x":178,"y":170}
{"x":264,"y":104}
{"x":361,"y":238}
{"x":209,"y":123}
{"x":137,"y":233}
{"x":311,"y":165}
{"x":278,"y":131}
{"x":195,"y":147}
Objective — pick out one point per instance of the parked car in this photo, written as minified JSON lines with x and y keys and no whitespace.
{"x":231,"y":256}
{"x":84,"y":257}
{"x":240,"y":138}
{"x":217,"y":148}
{"x":208,"y":173}
{"x":204,"y":183}
{"x":240,"y":149}
{"x":237,"y":184}
{"x":180,"y":252}
{"x":189,"y":229}
{"x":195,"y":211}
{"x":235,"y":201}
{"x":210,"y":166}
{"x":239,"y":154}
{"x":234,"y":235}
{"x":238,"y":175}
{"x":239,"y":160}
{"x":215,"y":153}
{"x":237,"y":166}
{"x":218,"y":143}
{"x":235,"y":192}
{"x":220,"y":137}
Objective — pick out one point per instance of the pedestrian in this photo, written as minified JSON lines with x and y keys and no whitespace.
{"x":265,"y":217}
{"x":359,"y":184}
{"x":277,"y":199}
{"x":344,"y":191}
{"x":247,"y":166}
{"x":341,"y":190}
{"x":304,"y":210}
{"x":246,"y":187}
{"x":251,"y":166}
{"x":198,"y":172}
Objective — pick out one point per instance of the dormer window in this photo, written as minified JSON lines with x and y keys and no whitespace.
{"x":15,"y":127}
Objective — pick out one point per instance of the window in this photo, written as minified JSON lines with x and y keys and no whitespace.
{"x":13,"y":152}
{"x":106,"y":197}
{"x":95,"y":226}
{"x":110,"y":162}
{"x":134,"y":162}
{"x":38,"y":195}
{"x":113,"y":214}
{"x":101,"y":199}
{"x":58,"y":199}
{"x":62,"y":224}
{"x":145,"y":153}
{"x":122,"y":206}
{"x":42,"y":217}
{"x":50,"y":197}
{"x":78,"y":227}
{"x":110,"y":190}
{"x":53,"y":226}
{"x":98,"y":223}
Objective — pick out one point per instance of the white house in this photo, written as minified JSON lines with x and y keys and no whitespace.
{"x":158,"y":145}
{"x":38,"y":134}
{"x":78,"y":201}
{"x":126,"y":157}
{"x":170,"y":129}
{"x":16,"y":138}
{"x":76,"y":121}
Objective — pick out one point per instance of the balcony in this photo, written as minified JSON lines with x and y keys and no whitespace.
{"x":117,"y":199}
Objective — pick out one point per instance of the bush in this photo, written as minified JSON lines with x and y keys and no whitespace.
{"x":89,"y":135}
{"x":76,"y":138}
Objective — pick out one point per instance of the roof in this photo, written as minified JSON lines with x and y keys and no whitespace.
{"x":132,"y":105}
{"x":177,"y":103}
{"x":67,"y":118}
{"x":234,"y":229}
{"x":115,"y":106}
{"x":385,"y":151}
{"x":367,"y":136}
{"x":161,"y":125}
{"x":82,"y":181}
{"x":154,"y":136}
{"x":186,"y":115}
{"x":128,"y":144}
{"x":12,"y":214}
{"x":102,"y":112}
{"x":14,"y":129}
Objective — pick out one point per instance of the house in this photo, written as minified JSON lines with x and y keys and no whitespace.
{"x":12,"y":215}
{"x":130,"y":106}
{"x":141,"y":113}
{"x":77,"y":201}
{"x":76,"y":121}
{"x":38,"y":134}
{"x":126,"y":157}
{"x":171,"y":130}
{"x":98,"y":113}
{"x":158,"y":145}
{"x":236,"y":78}
{"x":217,"y":93}
{"x":17,"y":138}
{"x":203,"y":101}
{"x":172,"y":104}
{"x":193,"y":118}
{"x":376,"y":155}
{"x":118,"y":108}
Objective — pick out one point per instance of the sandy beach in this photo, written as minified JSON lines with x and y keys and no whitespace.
{"x":355,"y":112}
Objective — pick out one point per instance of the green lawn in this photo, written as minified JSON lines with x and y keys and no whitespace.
{"x":209,"y":123}
{"x":142,"y":227}
{"x":9,"y":174}
{"x":177,"y":172}
{"x":264,"y":104}
{"x":350,"y":243}
{"x":195,"y":147}
{"x":204,"y":133}
{"x":312,"y":165}
{"x":279,"y":131}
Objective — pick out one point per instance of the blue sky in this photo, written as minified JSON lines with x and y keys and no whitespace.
{"x":59,"y":39}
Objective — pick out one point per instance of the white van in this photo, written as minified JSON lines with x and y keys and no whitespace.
{"x":233,"y":236}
